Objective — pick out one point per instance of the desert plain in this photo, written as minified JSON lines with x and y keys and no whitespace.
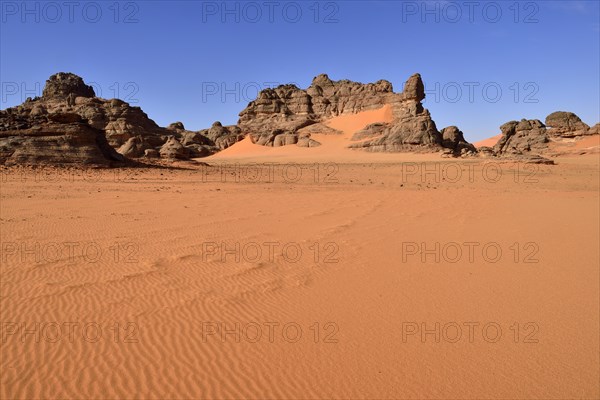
{"x":271,"y":273}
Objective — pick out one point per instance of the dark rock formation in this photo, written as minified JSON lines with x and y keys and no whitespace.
{"x":172,"y":149}
{"x":176,"y":126}
{"x":49,"y":130}
{"x":527,"y":136}
{"x":68,"y":107}
{"x":532,"y":139}
{"x":412,"y":128}
{"x":290,"y":111}
{"x":68,"y":124}
{"x":62,"y":85}
{"x":566,"y":124}
{"x":453,"y":139}
{"x":44,"y":141}
{"x":134,"y":147}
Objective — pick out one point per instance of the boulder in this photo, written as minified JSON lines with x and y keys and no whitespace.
{"x":176,"y":126}
{"x":526,"y":136}
{"x":307,"y":142}
{"x":566,"y":124}
{"x":453,"y":139}
{"x":151,"y":153}
{"x":64,"y":84}
{"x":172,"y":149}
{"x":285,"y":140}
{"x":414,"y":89}
{"x":134,"y":147}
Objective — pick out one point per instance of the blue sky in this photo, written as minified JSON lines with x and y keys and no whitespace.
{"x":483,"y":63}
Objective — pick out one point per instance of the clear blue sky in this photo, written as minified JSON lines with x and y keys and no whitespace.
{"x":176,"y":58}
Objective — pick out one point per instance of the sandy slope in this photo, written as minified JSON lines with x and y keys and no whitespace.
{"x":489,"y":142}
{"x":160,"y":267}
{"x":332,"y":146}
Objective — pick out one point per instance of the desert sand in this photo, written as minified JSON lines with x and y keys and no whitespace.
{"x":489,"y":142}
{"x":354,"y":268}
{"x":333,"y":147}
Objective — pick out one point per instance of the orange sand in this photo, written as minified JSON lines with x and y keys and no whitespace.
{"x":489,"y":142}
{"x":162,"y":270}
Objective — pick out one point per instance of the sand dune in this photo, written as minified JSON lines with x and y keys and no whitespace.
{"x":489,"y":142}
{"x":351,"y":123}
{"x":333,"y":147}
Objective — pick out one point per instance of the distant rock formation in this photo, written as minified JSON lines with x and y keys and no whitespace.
{"x":68,"y":111}
{"x":566,"y":124}
{"x":287,"y":109}
{"x":68,"y":124}
{"x":522,"y":137}
{"x":173,"y":149}
{"x":454,"y":140}
{"x":49,"y":130}
{"x":532,"y":138}
{"x":56,"y":139}
{"x":292,"y":113}
{"x":63,"y":85}
{"x":412,"y":128}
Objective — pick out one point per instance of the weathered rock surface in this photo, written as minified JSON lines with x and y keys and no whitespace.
{"x":63,"y":85}
{"x":288,"y":110}
{"x":68,"y":124}
{"x":53,"y":143}
{"x":307,"y":142}
{"x":533,"y":139}
{"x":176,"y":126}
{"x":68,"y":111}
{"x":412,"y":128}
{"x":453,"y":139}
{"x":134,"y":147}
{"x":69,"y":104}
{"x":566,"y":124}
{"x":522,"y":137}
{"x":172,"y":149}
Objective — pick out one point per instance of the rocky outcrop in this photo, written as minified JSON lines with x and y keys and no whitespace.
{"x":134,"y":147}
{"x":69,"y":124}
{"x":282,"y":116}
{"x":176,"y":126}
{"x":411,"y":129}
{"x":454,"y":140}
{"x":68,"y":112}
{"x":566,"y":124}
{"x":172,"y":149}
{"x":69,"y":107}
{"x":63,"y":85}
{"x":526,"y":136}
{"x":49,"y":130}
{"x":328,"y":98}
{"x":66,"y":92}
{"x":53,"y":139}
{"x":532,"y":138}
{"x":291,"y":113}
